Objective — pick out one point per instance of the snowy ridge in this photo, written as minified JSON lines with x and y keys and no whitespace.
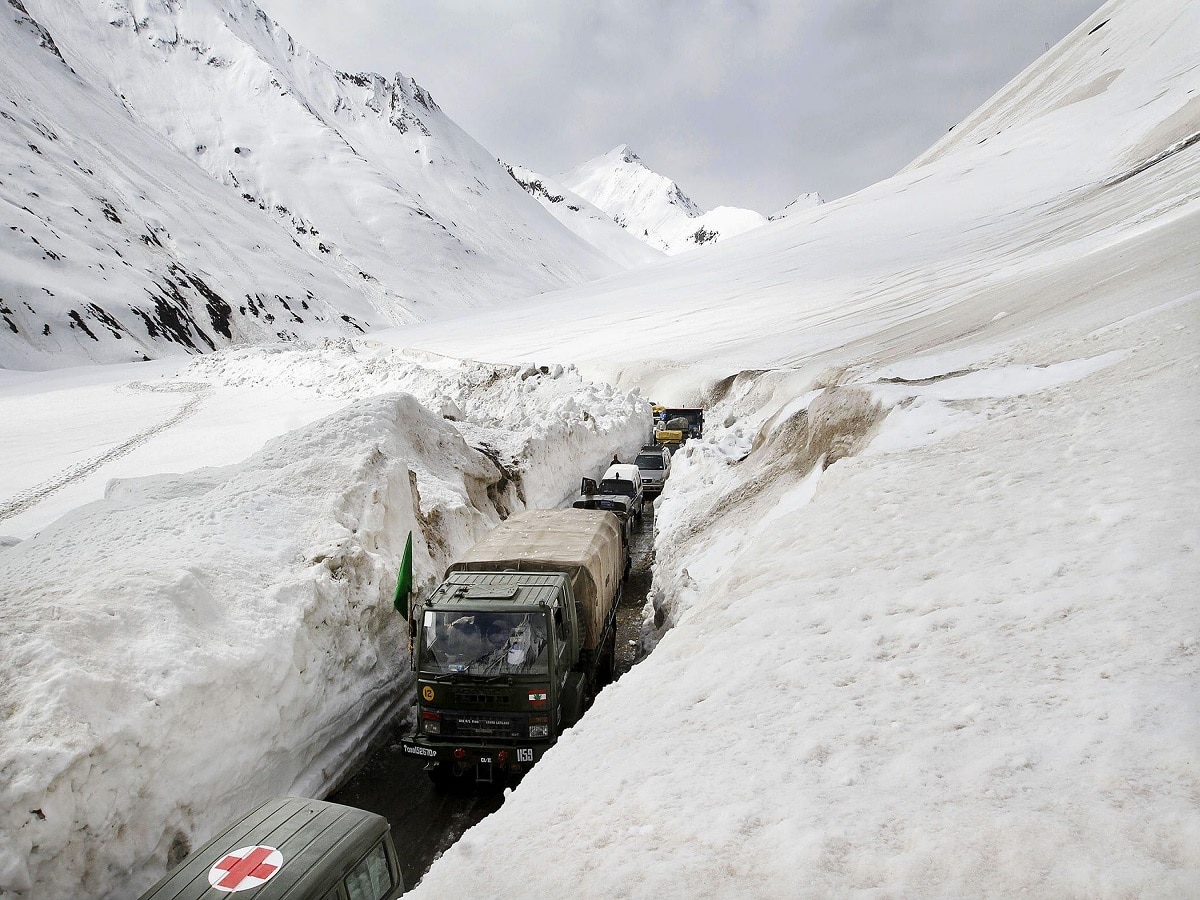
{"x":380,"y":199}
{"x":116,"y":248}
{"x":651,"y":206}
{"x":588,"y":221}
{"x":804,"y":202}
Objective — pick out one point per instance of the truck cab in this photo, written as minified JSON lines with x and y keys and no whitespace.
{"x":512,"y":646}
{"x":676,"y":425}
{"x":495,"y":657}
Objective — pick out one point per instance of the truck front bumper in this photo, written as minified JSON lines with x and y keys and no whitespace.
{"x":480,"y":758}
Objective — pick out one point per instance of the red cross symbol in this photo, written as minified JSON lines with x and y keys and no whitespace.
{"x":245,"y":868}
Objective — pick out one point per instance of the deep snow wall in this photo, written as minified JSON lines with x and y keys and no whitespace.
{"x":193,"y":644}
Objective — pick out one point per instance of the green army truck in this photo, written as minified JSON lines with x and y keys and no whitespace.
{"x":513,"y":645}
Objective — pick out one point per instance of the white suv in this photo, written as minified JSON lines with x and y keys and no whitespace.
{"x":654,"y":465}
{"x":624,"y":479}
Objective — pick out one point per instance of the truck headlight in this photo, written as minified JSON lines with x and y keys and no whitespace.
{"x":539,"y":731}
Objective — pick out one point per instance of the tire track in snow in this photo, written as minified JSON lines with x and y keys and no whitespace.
{"x":30,"y":497}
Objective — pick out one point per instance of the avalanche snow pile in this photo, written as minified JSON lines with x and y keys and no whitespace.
{"x":651,"y":206}
{"x":193,"y":643}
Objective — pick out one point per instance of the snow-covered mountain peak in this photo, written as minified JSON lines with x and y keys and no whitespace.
{"x":805,"y":201}
{"x":652,"y":206}
{"x":625,"y":153}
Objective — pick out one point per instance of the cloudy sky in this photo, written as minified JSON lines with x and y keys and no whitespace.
{"x":742,"y":102}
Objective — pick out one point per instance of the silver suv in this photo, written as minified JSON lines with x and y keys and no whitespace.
{"x":654,"y":465}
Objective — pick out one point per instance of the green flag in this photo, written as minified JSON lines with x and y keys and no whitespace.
{"x":404,"y":582}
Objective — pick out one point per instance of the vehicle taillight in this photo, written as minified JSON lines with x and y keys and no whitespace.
{"x":460,"y":753}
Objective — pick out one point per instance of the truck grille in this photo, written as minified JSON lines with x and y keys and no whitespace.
{"x":480,"y":726}
{"x":483,"y":698}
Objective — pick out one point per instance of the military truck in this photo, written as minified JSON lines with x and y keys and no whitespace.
{"x":291,"y":849}
{"x":514,"y":644}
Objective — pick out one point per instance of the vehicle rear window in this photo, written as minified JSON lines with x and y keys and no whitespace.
{"x":650,"y":461}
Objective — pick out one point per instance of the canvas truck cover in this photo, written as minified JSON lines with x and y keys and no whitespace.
{"x":584,"y":544}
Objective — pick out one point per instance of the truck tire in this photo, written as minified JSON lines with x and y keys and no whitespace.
{"x":608,"y":662}
{"x":442,"y":777}
{"x":575,"y":712}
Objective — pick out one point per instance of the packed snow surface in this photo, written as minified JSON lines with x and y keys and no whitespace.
{"x":923,"y":620}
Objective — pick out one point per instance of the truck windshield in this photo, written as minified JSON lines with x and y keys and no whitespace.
{"x":483,"y":643}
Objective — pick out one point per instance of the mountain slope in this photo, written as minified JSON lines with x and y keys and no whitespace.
{"x":585,"y":219}
{"x":116,"y":248}
{"x":651,"y":206}
{"x":385,"y":196}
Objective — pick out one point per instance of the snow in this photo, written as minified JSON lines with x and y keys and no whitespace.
{"x":923,"y":614}
{"x":651,"y":206}
{"x":179,"y":177}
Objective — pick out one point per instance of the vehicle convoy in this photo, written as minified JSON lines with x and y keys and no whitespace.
{"x":513,"y":645}
{"x":654,"y":465}
{"x":677,"y":425}
{"x":291,"y":849}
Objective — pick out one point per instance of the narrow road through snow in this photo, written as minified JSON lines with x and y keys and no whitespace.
{"x":426,"y":822}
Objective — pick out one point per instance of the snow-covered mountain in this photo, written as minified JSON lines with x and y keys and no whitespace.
{"x":585,"y":219}
{"x":805,"y":201}
{"x":652,"y":206}
{"x":183,"y":175}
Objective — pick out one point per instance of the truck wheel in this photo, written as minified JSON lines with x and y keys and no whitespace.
{"x":575,"y":713}
{"x":607,"y":669}
{"x":610,"y":660}
{"x":443,"y":779}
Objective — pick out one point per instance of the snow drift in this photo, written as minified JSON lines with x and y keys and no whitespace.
{"x":192,"y":644}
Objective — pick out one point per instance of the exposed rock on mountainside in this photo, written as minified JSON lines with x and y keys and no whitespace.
{"x":153,"y":148}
